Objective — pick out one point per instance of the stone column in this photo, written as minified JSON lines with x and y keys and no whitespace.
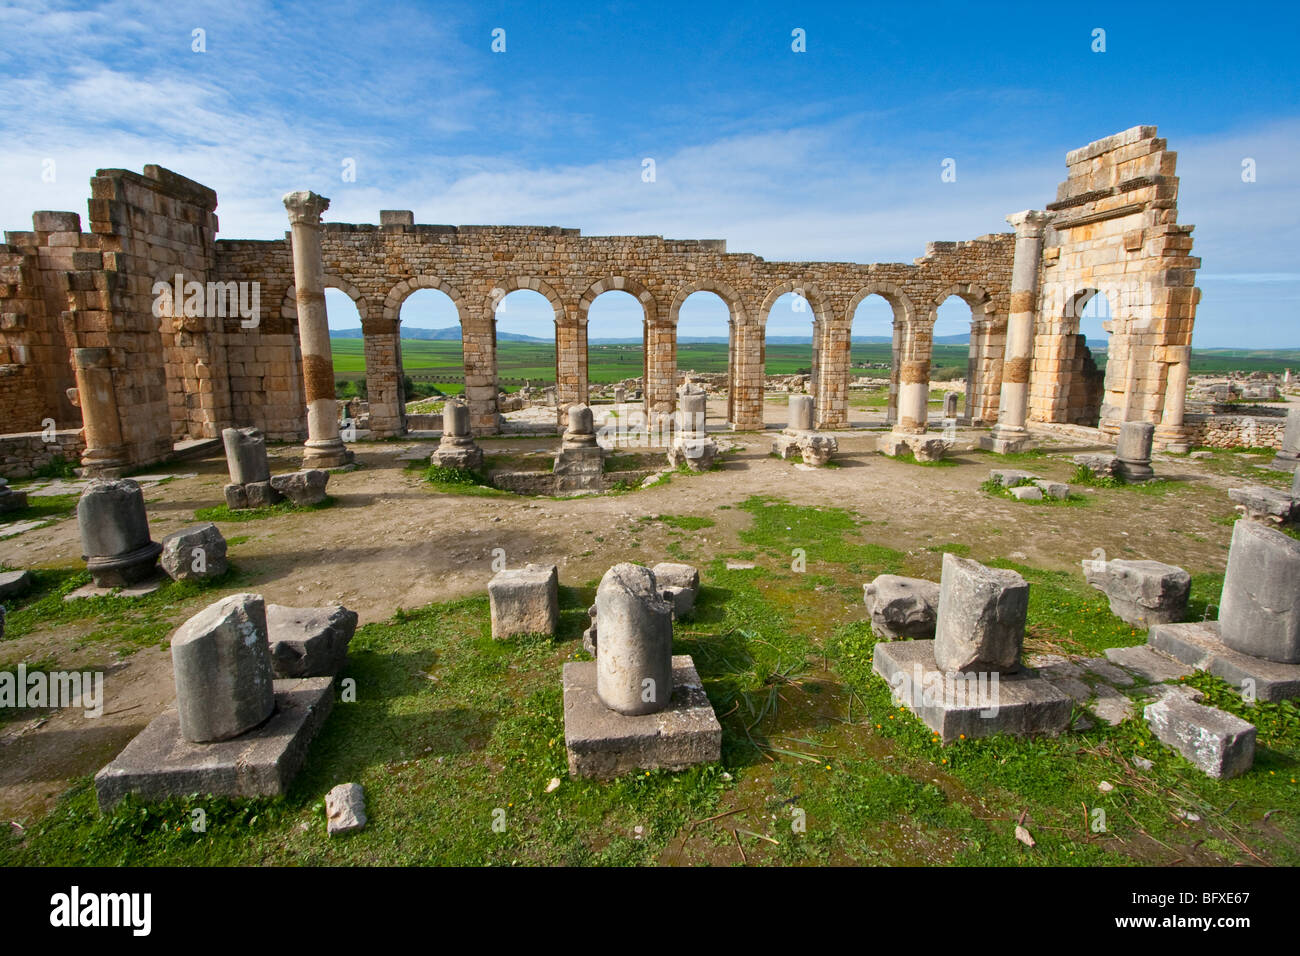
{"x":105,"y":455}
{"x":914,"y":382}
{"x":1010,"y":434}
{"x":1171,"y":432}
{"x":324,"y":448}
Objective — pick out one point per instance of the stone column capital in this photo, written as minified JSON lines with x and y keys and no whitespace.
{"x":305,"y":207}
{"x":1029,"y":223}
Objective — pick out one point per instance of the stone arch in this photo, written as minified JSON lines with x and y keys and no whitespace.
{"x":900,"y":301}
{"x":816,"y":300}
{"x":618,"y":284}
{"x":719,"y":288}
{"x":400,"y":292}
{"x":289,"y":307}
{"x":515,"y":283}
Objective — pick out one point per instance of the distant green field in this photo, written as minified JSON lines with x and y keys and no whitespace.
{"x":431,"y":361}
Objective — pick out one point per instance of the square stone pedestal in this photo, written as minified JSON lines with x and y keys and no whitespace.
{"x":160,"y":763}
{"x":604,"y":743}
{"x":954,"y":704}
{"x":1197,"y":644}
{"x":1003,"y":446}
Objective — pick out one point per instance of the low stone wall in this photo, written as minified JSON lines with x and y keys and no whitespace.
{"x":1236,"y":431}
{"x":543,"y":482}
{"x":22,"y":453}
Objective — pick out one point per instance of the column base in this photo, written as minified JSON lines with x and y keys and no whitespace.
{"x":1003,"y":446}
{"x":328,"y":455}
{"x":1173,"y":439}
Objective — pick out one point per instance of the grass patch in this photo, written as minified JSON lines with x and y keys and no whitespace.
{"x":908,"y":457}
{"x":685,"y":522}
{"x":44,"y":508}
{"x":124,"y":623}
{"x":225,"y":513}
{"x":992,"y":486}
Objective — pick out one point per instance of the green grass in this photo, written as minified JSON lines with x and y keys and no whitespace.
{"x":451,"y":730}
{"x":224,"y":513}
{"x":124,"y":624}
{"x":460,"y":481}
{"x":44,"y":508}
{"x":685,"y":522}
{"x":908,"y":457}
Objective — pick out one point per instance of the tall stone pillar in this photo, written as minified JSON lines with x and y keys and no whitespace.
{"x":324,"y":448}
{"x":381,"y":340}
{"x":1010,"y":433}
{"x":914,"y":381}
{"x":106,"y":454}
{"x":1171,"y":432}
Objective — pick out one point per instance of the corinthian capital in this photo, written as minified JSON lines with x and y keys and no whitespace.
{"x":305,"y":207}
{"x":1029,"y":223}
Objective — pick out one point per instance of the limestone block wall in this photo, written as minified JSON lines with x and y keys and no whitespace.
{"x":1115,"y":232}
{"x":23,"y":453}
{"x":33,"y":296}
{"x":1236,"y":431}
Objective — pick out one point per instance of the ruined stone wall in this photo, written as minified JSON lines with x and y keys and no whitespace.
{"x":1236,"y":431}
{"x":1115,"y":232}
{"x":23,"y":453}
{"x":35,"y":371}
{"x":379,"y":266}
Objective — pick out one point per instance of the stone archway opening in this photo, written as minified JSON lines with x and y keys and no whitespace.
{"x":430,"y":354}
{"x":706,"y":346}
{"x":616,"y":332}
{"x":873,"y":359}
{"x":1086,"y":367}
{"x":524,"y":335}
{"x":348,"y":351}
{"x":954,"y":363}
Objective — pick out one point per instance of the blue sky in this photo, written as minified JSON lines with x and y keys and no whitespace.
{"x":833,"y":153}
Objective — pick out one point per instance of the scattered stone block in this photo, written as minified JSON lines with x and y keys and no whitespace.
{"x":1103,"y":466}
{"x":302,"y":487}
{"x":236,"y":497}
{"x":1027,"y":493}
{"x":1007,"y":477}
{"x":1110,"y":706}
{"x":901,"y":607}
{"x":222,"y":665}
{"x":971,"y":705}
{"x":891,"y":444}
{"x":309,"y":641}
{"x":926,"y":449}
{"x":261,"y":494}
{"x":604,"y":743}
{"x":1142,"y":593}
{"x":1053,"y":489}
{"x":1200,"y":455}
{"x":115,"y":533}
{"x":194,"y":554}
{"x":1217,"y":743}
{"x":11,"y":500}
{"x":980,"y":621}
{"x":1259,"y":610}
{"x":345,"y":809}
{"x":1149,"y":664}
{"x":1100,"y":667}
{"x":15,"y":584}
{"x":525,"y":601}
{"x":1268,"y":505}
{"x":589,"y":636}
{"x":680,"y":584}
{"x":160,"y":763}
{"x":634,"y":669}
{"x":1197,"y":644}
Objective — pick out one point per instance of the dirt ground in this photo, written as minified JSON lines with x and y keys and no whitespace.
{"x":391,"y":542}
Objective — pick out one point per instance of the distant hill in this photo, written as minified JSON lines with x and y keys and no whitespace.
{"x":450,"y":334}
